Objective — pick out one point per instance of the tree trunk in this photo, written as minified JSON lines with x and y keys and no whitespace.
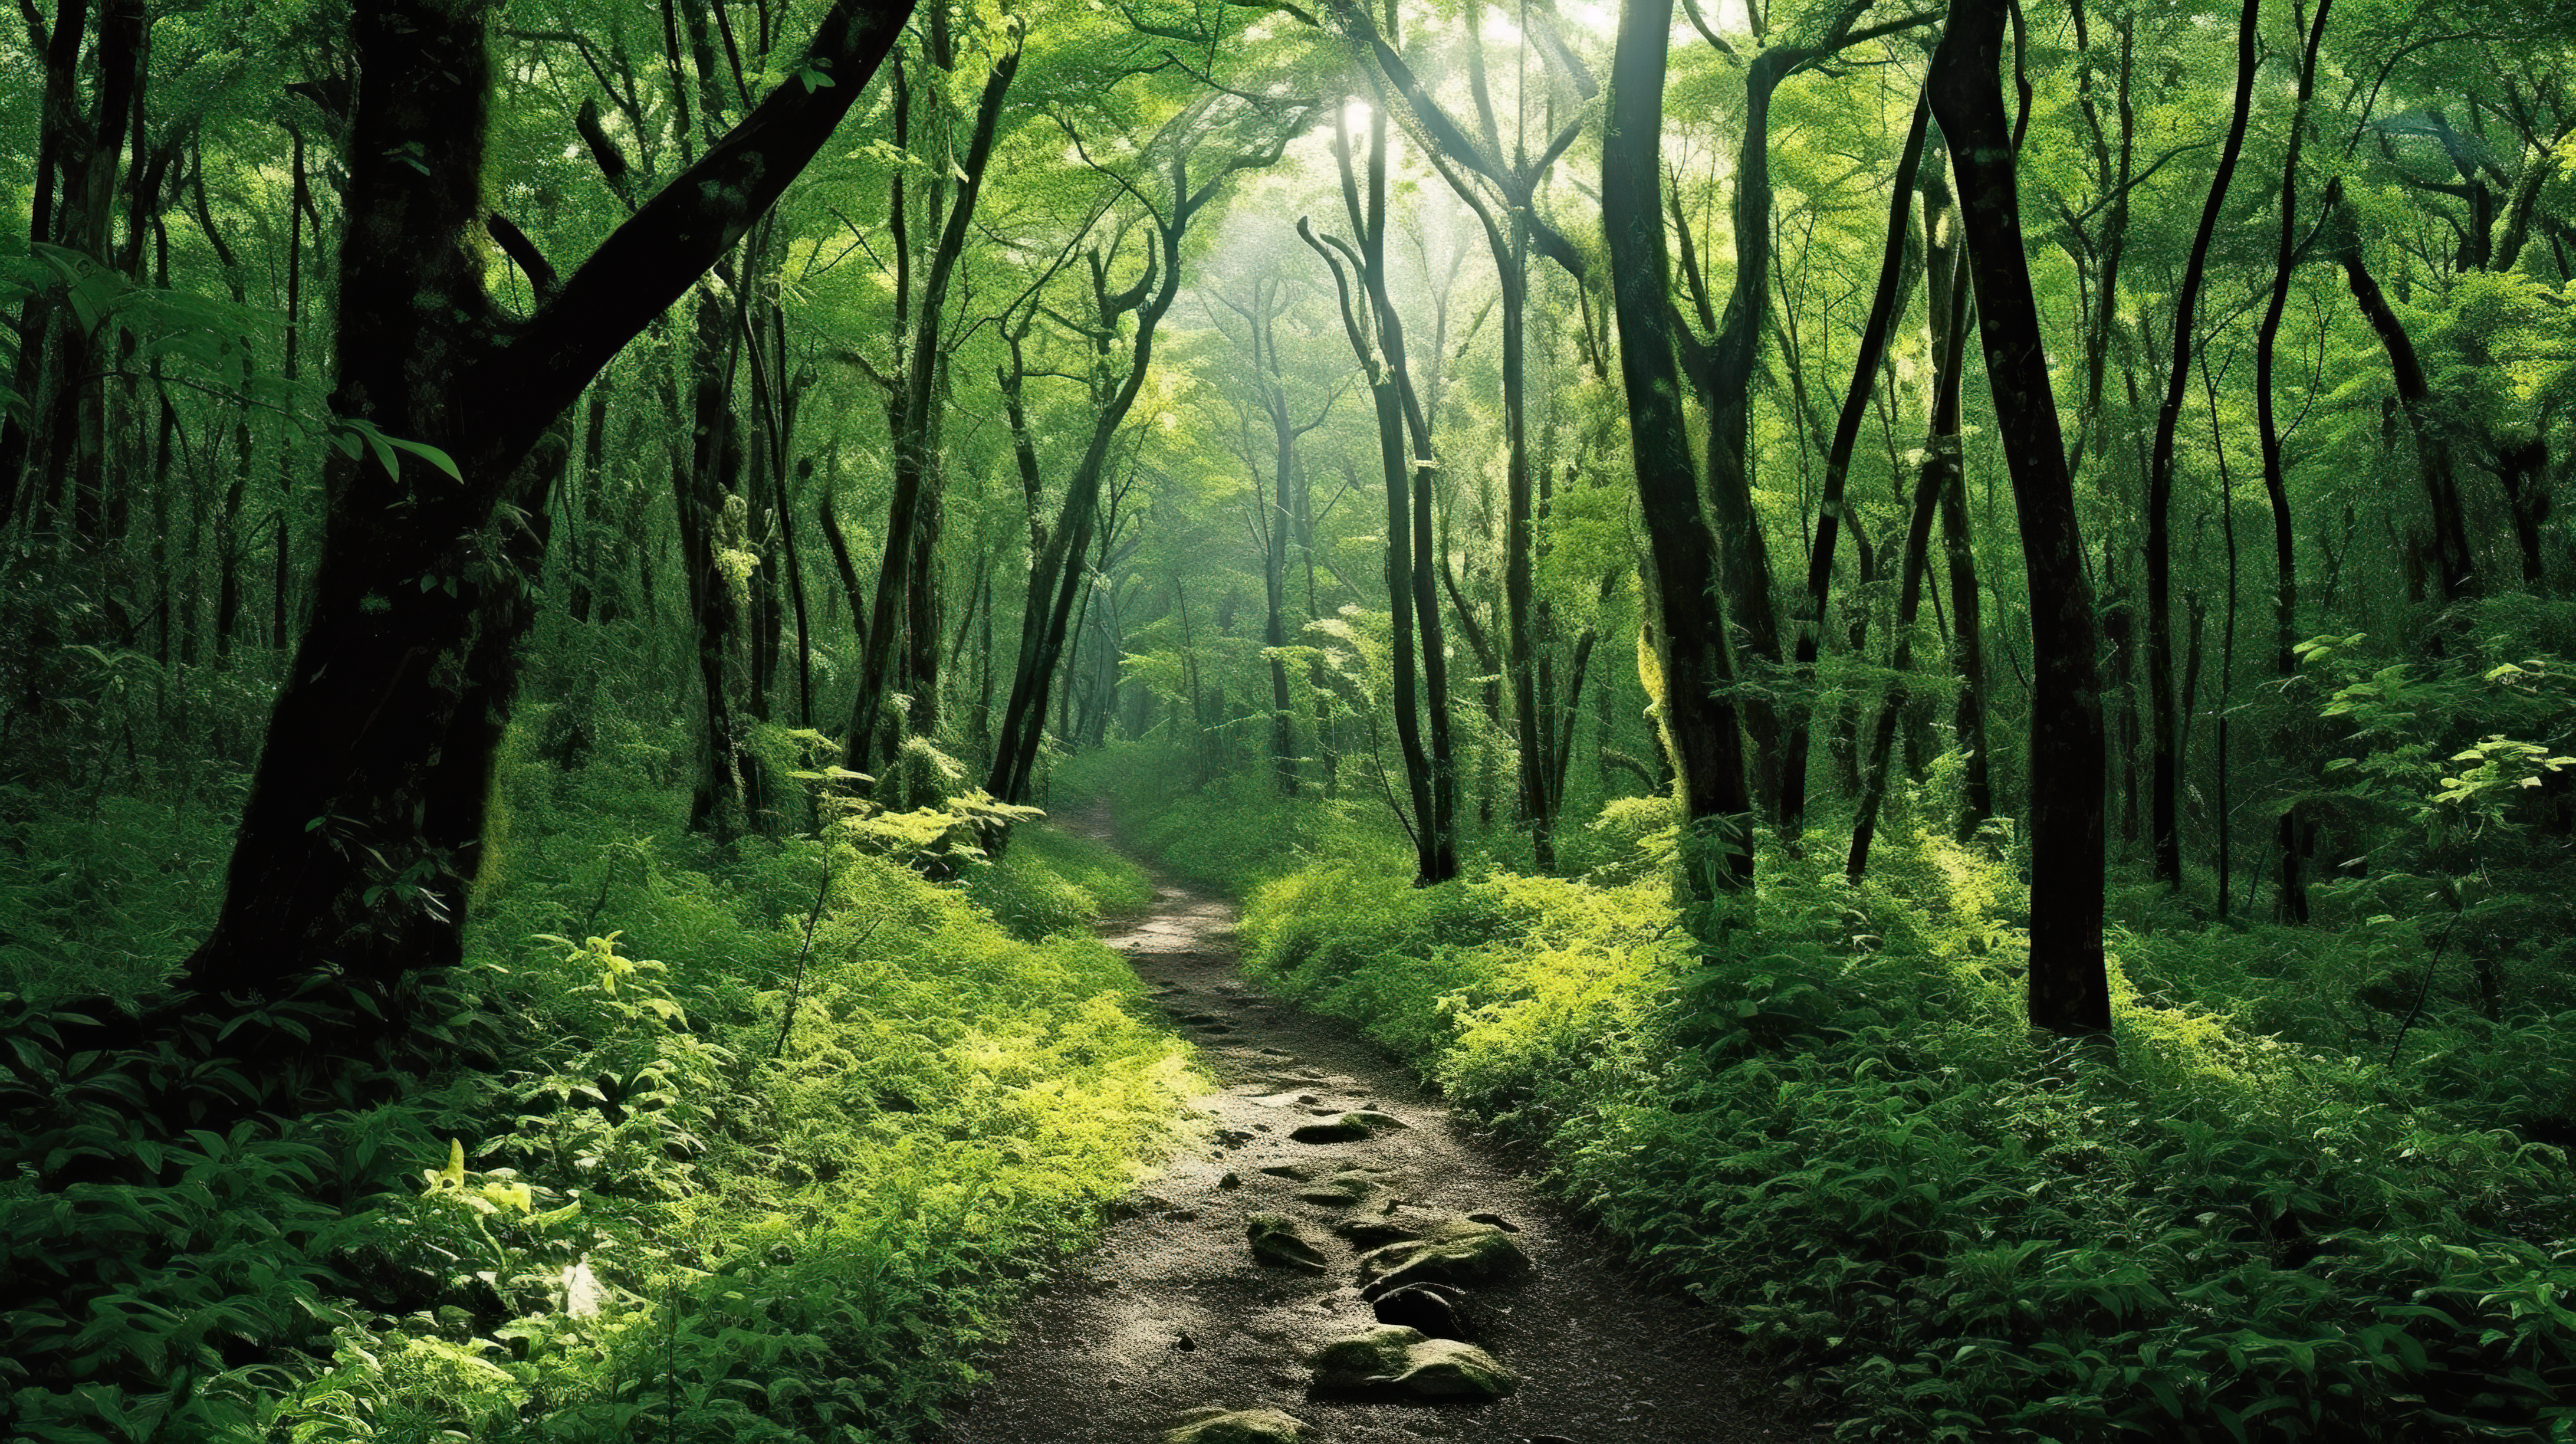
{"x":1056,"y":576}
{"x":59,"y":126}
{"x":69,"y":451}
{"x":906,"y":584}
{"x":1744,"y":566}
{"x":2457,"y":564}
{"x":1376,"y":335}
{"x":364,"y":826}
{"x":1949,"y":318}
{"x":2069,"y":988}
{"x":703,"y":479}
{"x":1883,"y":307}
{"x":1928,"y":488}
{"x":1690,"y":650}
{"x":2165,"y":787}
{"x":2293,"y":903}
{"x":1272,"y":512}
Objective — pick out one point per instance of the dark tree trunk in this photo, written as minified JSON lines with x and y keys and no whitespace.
{"x":1928,"y":487}
{"x":1376,"y":337}
{"x":59,"y":127}
{"x":1950,"y":318}
{"x":852,"y":590}
{"x":2293,"y":903}
{"x":907,"y":584}
{"x":2069,"y":988}
{"x":1272,"y":515}
{"x":281,"y":568}
{"x":588,"y":538}
{"x":1883,"y":307}
{"x":2455,"y":561}
{"x":69,"y":450}
{"x":1056,"y":576}
{"x":1501,"y":192}
{"x":1699,"y":724}
{"x":2165,"y":788}
{"x":1727,"y":389}
{"x":1419,"y":682}
{"x":2098,"y":257}
{"x":703,"y":479}
{"x":1728,"y":373}
{"x":1520,"y":540}
{"x":364,"y":827}
{"x":2523,"y":469}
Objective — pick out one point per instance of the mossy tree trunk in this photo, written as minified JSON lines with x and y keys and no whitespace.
{"x":1695,"y":673}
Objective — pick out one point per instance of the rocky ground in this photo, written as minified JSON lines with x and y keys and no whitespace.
{"x":1340,"y":1261}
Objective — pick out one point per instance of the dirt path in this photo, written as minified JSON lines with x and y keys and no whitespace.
{"x":1172,"y":1312}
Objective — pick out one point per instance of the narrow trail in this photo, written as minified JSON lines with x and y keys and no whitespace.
{"x":1172,"y":1312}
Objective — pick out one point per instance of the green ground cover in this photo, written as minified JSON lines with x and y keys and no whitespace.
{"x":640,"y":1203}
{"x":1837,"y":1131}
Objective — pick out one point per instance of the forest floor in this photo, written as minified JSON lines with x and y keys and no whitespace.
{"x":1172,"y":1312}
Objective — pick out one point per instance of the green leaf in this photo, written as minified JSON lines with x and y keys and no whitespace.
{"x":430,"y":454}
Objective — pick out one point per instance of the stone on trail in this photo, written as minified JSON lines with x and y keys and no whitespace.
{"x":1400,"y":1360}
{"x":1448,"y":1369}
{"x":1238,"y":1426}
{"x":1431,"y":1308}
{"x":1277,"y":1241}
{"x":1376,"y":1232}
{"x":1347,"y":1188}
{"x":1348,"y":1127}
{"x":1453,"y":1251}
{"x":1362,"y":1359}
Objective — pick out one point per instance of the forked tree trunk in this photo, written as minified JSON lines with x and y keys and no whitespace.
{"x":907,"y":582}
{"x":1899,"y":692}
{"x":364,"y":826}
{"x":1056,"y":575}
{"x":1689,"y":648}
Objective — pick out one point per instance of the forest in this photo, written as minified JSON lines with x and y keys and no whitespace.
{"x":1919,"y":652}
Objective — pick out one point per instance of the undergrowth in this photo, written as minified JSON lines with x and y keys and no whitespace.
{"x":776,"y":1128}
{"x":2247,"y":1222}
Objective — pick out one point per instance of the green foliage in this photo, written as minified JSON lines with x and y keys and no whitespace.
{"x":1840,"y":1135}
{"x":1051,"y":881}
{"x":1236,"y":832}
{"x":677,"y":1213}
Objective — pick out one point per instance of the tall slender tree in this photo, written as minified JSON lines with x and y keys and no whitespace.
{"x":2165,"y":789}
{"x":1688,"y":647}
{"x":2069,"y":985}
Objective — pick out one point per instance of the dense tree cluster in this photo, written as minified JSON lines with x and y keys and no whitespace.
{"x":911,"y":394}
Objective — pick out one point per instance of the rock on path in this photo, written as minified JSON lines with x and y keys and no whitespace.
{"x":1200,"y":1314}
